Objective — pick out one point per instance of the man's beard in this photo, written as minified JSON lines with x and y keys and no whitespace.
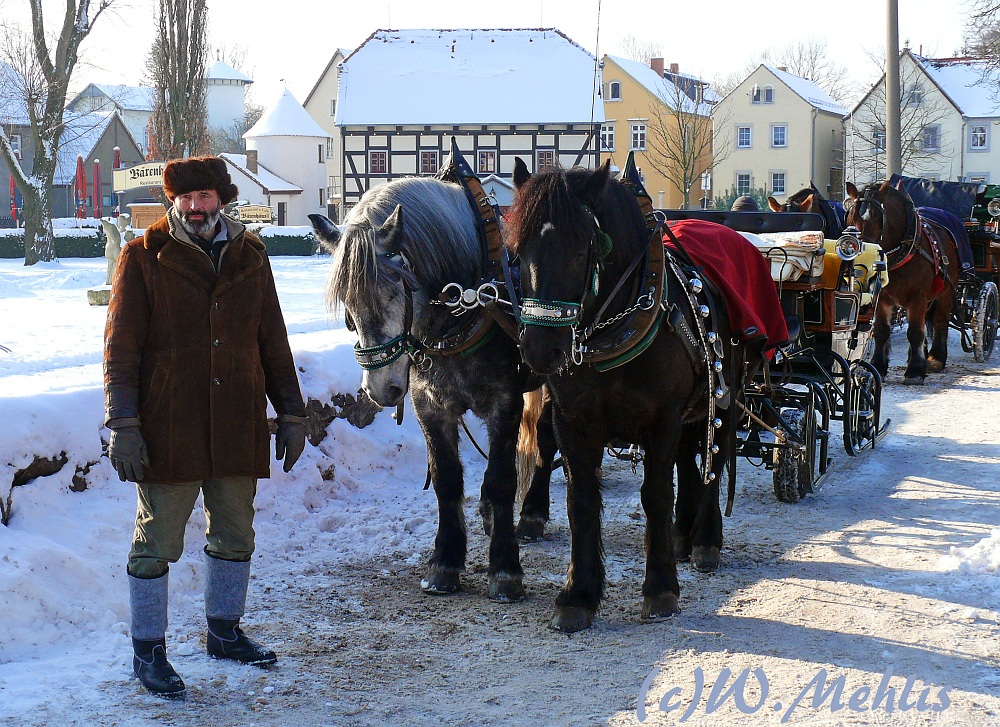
{"x":200,"y":227}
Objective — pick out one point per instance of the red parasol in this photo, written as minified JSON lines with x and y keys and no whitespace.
{"x":97,"y":188}
{"x":81,"y":188}
{"x":13,"y":197}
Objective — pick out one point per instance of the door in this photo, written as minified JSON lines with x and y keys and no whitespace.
{"x":282,"y":213}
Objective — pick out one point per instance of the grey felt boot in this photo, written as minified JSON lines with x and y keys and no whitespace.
{"x":148,"y":601}
{"x":225,"y":600}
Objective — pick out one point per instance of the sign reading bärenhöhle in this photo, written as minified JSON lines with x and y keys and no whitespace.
{"x":149,"y":174}
{"x":254,"y":213}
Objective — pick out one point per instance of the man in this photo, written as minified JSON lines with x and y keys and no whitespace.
{"x":194,"y":341}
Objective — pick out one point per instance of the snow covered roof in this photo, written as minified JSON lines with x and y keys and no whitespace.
{"x":970,"y":84}
{"x":268,"y":180}
{"x":659,"y":86}
{"x":808,"y":91}
{"x":80,"y":136}
{"x":222,"y":71}
{"x":286,"y":118}
{"x":131,"y":98}
{"x":464,"y":76}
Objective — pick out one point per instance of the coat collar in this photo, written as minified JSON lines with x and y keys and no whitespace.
{"x":178,"y":253}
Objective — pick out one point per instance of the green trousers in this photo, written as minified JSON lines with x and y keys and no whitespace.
{"x":163,"y":512}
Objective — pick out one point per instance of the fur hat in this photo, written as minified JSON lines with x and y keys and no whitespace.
{"x":181,"y":176}
{"x":746,"y":203}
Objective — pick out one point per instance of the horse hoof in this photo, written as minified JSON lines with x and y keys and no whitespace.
{"x":571,"y":619}
{"x":530,"y":529}
{"x":441,"y":581}
{"x":934,"y":366}
{"x":706,"y":558}
{"x":506,"y":588}
{"x":660,"y":607}
{"x":913,"y":380}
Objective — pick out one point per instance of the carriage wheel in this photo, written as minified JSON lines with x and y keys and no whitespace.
{"x":792,"y":474}
{"x":984,"y":323}
{"x":861,"y":417}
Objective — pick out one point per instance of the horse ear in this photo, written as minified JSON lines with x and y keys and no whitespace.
{"x":326,"y":231}
{"x":521,"y":173}
{"x":887,"y":184}
{"x":852,"y":191}
{"x":773,"y":204}
{"x":594,"y":188}
{"x":391,"y":231}
{"x":806,"y":203}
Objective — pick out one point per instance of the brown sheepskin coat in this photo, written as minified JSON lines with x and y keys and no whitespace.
{"x":193,"y":353}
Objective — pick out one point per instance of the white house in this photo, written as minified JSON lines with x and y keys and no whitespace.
{"x":779,"y":132}
{"x":292,"y":146}
{"x":133,"y":103}
{"x":948,"y":113}
{"x":321,"y":103}
{"x":257,"y":183}
{"x":501,"y":93}
{"x":225,"y":95}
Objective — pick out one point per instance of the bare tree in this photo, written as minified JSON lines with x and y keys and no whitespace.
{"x":640,"y":50}
{"x":922,"y":145}
{"x":680,"y":138}
{"x":230,"y":139}
{"x":175,"y":69}
{"x":40,"y":81}
{"x":982,"y":30}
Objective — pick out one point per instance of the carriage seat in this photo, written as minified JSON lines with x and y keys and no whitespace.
{"x":791,"y":255}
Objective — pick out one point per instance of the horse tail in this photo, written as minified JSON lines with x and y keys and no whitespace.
{"x":527,"y":441}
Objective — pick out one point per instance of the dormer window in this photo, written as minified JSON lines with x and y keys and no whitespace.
{"x":615,"y":91}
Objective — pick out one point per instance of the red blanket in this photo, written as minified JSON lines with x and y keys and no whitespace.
{"x":738,"y":269}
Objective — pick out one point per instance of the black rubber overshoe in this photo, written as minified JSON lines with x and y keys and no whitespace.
{"x":150,"y":664}
{"x":226,"y":640}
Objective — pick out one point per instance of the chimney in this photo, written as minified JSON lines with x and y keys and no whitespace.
{"x":783,"y":69}
{"x":675,"y":68}
{"x":657,"y":65}
{"x":252,"y":161}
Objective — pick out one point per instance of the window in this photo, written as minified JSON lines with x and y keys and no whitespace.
{"x":546,"y":159}
{"x":607,"y":137}
{"x":377,"y":162}
{"x":614,"y":91}
{"x":743,"y":137}
{"x":322,"y":197}
{"x":761,"y":95}
{"x":777,"y":182}
{"x":768,"y":94}
{"x":330,"y":151}
{"x":755,"y":94}
{"x":320,"y":152}
{"x":878,"y":140}
{"x":978,"y":137}
{"x":15,"y":143}
{"x":779,"y":136}
{"x":333,"y":107}
{"x":428,"y":162}
{"x":637,"y":137}
{"x":743,"y":183}
{"x":487,"y":162}
{"x":930,"y":137}
{"x":913,"y":96}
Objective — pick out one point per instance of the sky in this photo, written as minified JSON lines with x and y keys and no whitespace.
{"x":290,"y":44}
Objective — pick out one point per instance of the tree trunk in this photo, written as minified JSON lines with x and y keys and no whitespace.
{"x":39,"y":237}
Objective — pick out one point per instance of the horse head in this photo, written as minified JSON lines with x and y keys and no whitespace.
{"x":554,"y":229}
{"x":878,"y":211}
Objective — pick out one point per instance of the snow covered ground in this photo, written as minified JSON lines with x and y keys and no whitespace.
{"x":888,"y":574}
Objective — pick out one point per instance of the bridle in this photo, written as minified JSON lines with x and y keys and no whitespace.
{"x":908,"y":245}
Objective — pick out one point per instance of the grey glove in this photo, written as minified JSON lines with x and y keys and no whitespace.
{"x":127,"y":452}
{"x":289,"y":439}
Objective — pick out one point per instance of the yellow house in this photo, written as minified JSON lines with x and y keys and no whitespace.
{"x":644,"y":109}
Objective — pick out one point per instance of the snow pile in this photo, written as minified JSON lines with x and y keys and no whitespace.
{"x":983,"y":557}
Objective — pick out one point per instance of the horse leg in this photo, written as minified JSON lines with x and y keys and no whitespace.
{"x":706,"y":534}
{"x":580,"y":596}
{"x":688,"y":479}
{"x":916,"y":363}
{"x":535,"y":508}
{"x":940,"y":315}
{"x":660,"y":589}
{"x":506,"y":579}
{"x":441,"y":433}
{"x":880,"y":358}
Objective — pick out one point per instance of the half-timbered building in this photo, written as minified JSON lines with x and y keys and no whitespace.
{"x":502,"y":94}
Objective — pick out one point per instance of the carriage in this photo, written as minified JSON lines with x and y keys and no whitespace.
{"x":828,"y":292}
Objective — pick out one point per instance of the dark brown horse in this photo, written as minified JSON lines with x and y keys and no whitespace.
{"x":923,"y":272}
{"x":810,"y":200}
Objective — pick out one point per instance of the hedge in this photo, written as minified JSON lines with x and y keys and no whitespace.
{"x":88,"y":243}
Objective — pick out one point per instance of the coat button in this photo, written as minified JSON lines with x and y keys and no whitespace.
{"x":216,"y":343}
{"x":215,"y":306}
{"x":217,"y":382}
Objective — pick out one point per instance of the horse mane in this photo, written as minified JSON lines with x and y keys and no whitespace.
{"x":439,"y":244}
{"x":555,"y":196}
